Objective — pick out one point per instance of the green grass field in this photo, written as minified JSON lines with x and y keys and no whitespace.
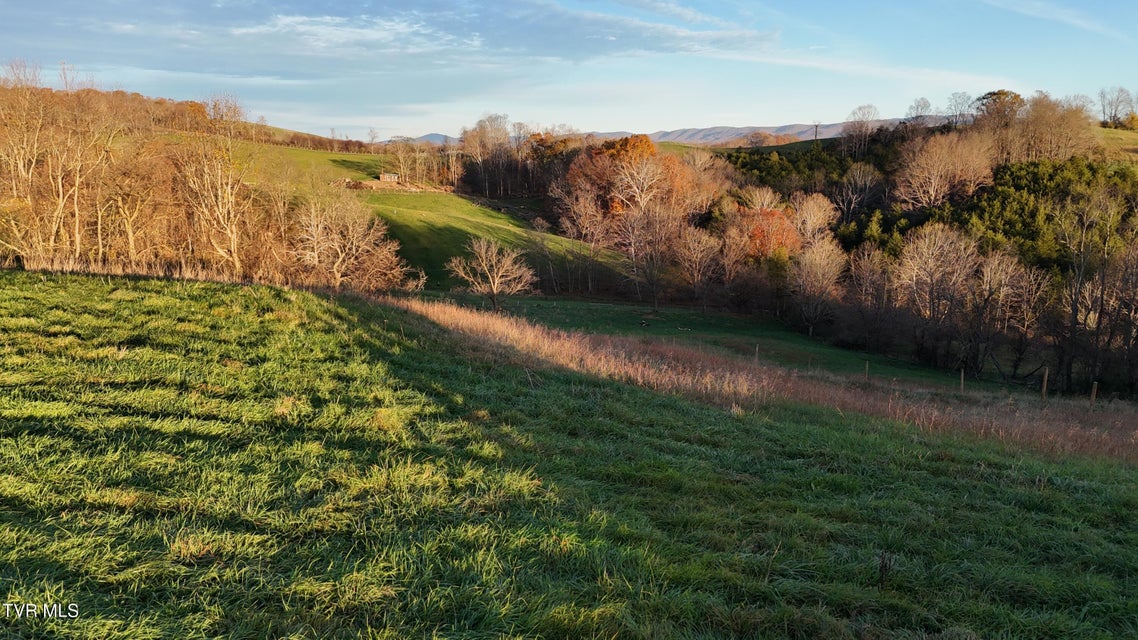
{"x":356,"y":166}
{"x":742,"y":335}
{"x":1119,"y":144}
{"x":199,"y":460}
{"x":433,"y":227}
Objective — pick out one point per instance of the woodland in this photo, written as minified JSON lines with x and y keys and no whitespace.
{"x":996,"y":235}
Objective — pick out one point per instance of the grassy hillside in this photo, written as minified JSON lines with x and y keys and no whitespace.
{"x":356,"y":166}
{"x":766,"y":339}
{"x":1119,"y":145}
{"x":432,"y":227}
{"x":199,"y":460}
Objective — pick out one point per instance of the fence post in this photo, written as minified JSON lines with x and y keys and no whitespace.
{"x":867,"y":370}
{"x":961,"y":380}
{"x":1043,"y":395}
{"x":1094,"y":392}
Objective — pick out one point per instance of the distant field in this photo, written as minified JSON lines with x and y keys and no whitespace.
{"x":743,"y":335}
{"x":1119,"y":144}
{"x":348,"y":165}
{"x":196,"y":460}
{"x":432,"y":227}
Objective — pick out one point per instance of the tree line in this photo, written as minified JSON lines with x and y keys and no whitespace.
{"x":993,"y":238}
{"x":101,"y":182}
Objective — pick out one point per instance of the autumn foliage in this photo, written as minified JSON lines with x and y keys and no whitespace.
{"x":110,"y":182}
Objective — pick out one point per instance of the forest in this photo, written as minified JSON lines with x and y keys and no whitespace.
{"x":995,"y":236}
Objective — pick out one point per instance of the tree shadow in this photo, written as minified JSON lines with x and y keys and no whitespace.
{"x":370,"y":167}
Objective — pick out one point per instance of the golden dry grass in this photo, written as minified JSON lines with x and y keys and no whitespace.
{"x":1057,"y":427}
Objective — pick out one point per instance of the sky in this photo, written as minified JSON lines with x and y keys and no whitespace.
{"x":403,"y":67}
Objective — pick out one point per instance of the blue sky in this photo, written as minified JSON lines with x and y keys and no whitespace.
{"x":406,"y":67}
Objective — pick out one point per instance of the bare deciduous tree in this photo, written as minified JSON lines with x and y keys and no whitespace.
{"x":585,"y":220}
{"x":341,"y":242}
{"x":814,"y":277}
{"x":1116,"y":103}
{"x":212,"y":176}
{"x":759,"y":198}
{"x":959,"y":109}
{"x":735,"y":251}
{"x":696,"y":254}
{"x":939,"y":167}
{"x":918,"y":113}
{"x":860,"y":185}
{"x":870,"y":275}
{"x":813,"y":215}
{"x":492,"y":270}
{"x":860,"y":125}
{"x":932,"y":279}
{"x":1052,"y":129}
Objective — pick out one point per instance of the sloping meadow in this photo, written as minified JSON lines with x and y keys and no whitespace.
{"x":199,"y":460}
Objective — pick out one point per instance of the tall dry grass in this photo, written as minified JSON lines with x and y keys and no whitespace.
{"x":1057,"y":427}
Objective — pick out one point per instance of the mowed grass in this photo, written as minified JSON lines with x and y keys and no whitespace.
{"x":201,"y":460}
{"x":433,"y":227}
{"x":357,"y":166}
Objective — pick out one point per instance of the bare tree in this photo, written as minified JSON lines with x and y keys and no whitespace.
{"x":137,"y":194}
{"x":860,"y":125}
{"x":860,"y":186}
{"x":932,"y":279}
{"x":696,"y":254}
{"x":735,"y":251}
{"x":990,"y":306}
{"x":1087,"y":229}
{"x":814,"y":277}
{"x":340,"y":241}
{"x":1116,"y":103}
{"x":870,"y":274}
{"x":1030,"y":298}
{"x":212,"y":175}
{"x":1052,"y":129}
{"x":402,"y":149}
{"x":492,"y":271}
{"x":939,"y":167}
{"x":584,"y":219}
{"x":487,"y":142}
{"x":813,"y":215}
{"x":958,"y":111}
{"x":639,"y":182}
{"x":648,"y":237}
{"x":919,"y":112}
{"x":759,"y":198}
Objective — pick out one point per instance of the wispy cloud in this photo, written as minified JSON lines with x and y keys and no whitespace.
{"x":339,"y":36}
{"x":1045,"y":10}
{"x":851,"y":67}
{"x":505,"y":33}
{"x":671,"y":9}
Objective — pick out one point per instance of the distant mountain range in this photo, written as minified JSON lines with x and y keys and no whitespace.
{"x":713,"y":135}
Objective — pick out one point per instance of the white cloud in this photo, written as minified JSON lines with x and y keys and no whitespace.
{"x":1050,"y":11}
{"x":338,"y":35}
{"x":846,"y":66}
{"x":676,"y":10}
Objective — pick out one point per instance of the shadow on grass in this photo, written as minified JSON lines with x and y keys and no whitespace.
{"x":368,"y":167}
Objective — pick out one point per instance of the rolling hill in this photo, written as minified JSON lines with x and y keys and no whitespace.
{"x":195,"y":460}
{"x":712,"y":136}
